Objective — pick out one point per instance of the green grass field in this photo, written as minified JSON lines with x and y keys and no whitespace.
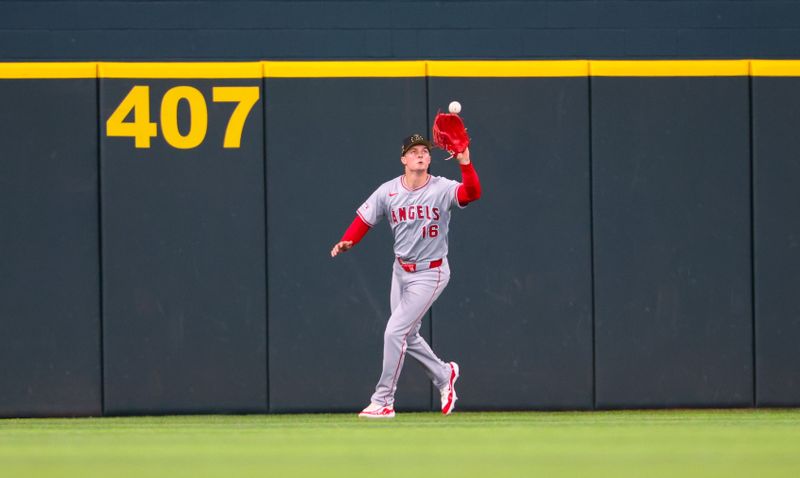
{"x":708,"y":443}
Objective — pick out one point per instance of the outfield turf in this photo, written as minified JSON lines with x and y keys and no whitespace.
{"x":673,"y":443}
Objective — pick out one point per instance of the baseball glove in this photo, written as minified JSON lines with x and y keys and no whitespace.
{"x":449,"y":133}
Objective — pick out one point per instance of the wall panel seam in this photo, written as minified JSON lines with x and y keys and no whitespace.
{"x":101,"y":302}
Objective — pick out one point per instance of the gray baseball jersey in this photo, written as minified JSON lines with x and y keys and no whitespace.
{"x":419,"y":218}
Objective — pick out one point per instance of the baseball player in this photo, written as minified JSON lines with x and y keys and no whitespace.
{"x":417,"y":207}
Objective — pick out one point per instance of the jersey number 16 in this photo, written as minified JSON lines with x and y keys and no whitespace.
{"x":430,"y":231}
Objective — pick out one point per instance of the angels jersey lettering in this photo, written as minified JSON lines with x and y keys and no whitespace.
{"x":418,"y":218}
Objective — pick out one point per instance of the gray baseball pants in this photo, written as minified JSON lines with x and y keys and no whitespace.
{"x":412,"y":295}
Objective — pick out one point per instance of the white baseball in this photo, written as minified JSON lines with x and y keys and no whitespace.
{"x":455,"y":107}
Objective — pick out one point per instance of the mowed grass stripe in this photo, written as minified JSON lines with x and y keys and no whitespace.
{"x":735,"y":416}
{"x":646,"y":443}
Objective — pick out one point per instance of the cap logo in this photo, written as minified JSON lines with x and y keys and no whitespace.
{"x":412,"y":140}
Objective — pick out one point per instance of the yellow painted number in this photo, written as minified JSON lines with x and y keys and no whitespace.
{"x":246,"y":97}
{"x":141,"y":129}
{"x":198,"y":117}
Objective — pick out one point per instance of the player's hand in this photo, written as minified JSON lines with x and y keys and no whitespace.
{"x":342,"y":246}
{"x":463,"y":158}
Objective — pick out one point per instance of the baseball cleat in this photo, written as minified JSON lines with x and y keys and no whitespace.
{"x":377,"y":411}
{"x":448,"y":392}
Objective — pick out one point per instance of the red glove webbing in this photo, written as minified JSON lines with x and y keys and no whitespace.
{"x":470,"y":189}
{"x":358,"y":228}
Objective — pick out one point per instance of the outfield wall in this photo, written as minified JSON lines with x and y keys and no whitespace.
{"x":166,"y":230}
{"x":202,"y":30}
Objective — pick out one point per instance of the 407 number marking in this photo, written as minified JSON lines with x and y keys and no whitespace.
{"x":141,"y":129}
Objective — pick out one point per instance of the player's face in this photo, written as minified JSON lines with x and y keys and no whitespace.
{"x":417,"y":158}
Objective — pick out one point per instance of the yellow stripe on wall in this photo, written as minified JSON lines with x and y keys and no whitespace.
{"x":211,"y":70}
{"x":47,"y":70}
{"x":775,"y":67}
{"x":503,"y":69}
{"x":343,"y":69}
{"x":400,"y":69}
{"x":669,"y":68}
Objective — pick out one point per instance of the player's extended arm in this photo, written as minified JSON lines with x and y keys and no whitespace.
{"x":358,"y":228}
{"x":470,"y":189}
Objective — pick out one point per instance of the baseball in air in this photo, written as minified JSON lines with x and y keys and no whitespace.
{"x":455,"y":107}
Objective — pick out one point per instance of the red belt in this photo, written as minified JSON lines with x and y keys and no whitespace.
{"x":419,"y":266}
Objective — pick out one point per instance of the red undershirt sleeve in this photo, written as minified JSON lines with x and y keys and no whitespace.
{"x":470,"y":189}
{"x":358,"y":228}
